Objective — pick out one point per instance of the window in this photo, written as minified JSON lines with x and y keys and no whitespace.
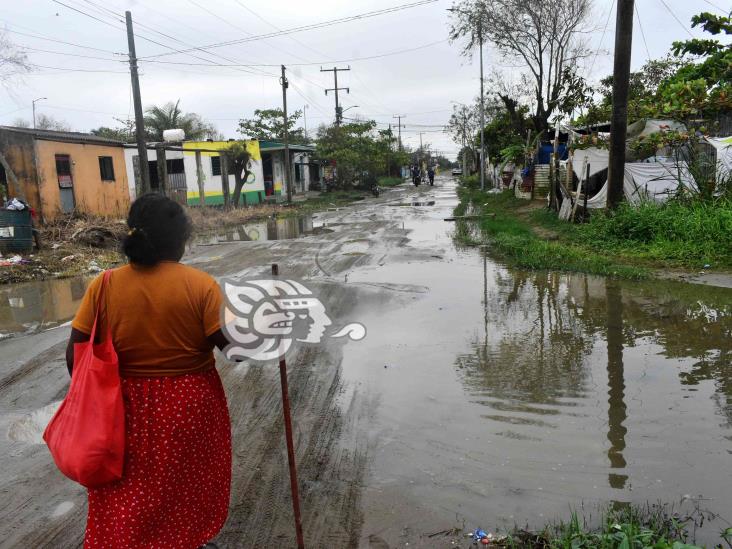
{"x":63,"y":171}
{"x":216,"y":165}
{"x":106,"y":168}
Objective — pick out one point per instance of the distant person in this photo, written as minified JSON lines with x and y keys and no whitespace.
{"x":164,"y":320}
{"x":416,"y":175}
{"x":431,"y":175}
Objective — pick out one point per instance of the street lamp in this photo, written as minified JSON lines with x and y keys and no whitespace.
{"x":351,"y":107}
{"x":482,"y":106}
{"x":34,"y":109}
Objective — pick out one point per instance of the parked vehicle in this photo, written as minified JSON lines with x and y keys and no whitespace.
{"x":457,"y":171}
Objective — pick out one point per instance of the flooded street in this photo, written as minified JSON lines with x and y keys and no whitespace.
{"x":481,"y":395}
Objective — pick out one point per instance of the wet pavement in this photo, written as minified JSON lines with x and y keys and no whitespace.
{"x":481,"y":396}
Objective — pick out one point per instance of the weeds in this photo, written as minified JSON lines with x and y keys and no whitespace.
{"x":625,"y":242}
{"x":513,"y":238}
{"x":657,"y":526}
{"x":390,"y":181}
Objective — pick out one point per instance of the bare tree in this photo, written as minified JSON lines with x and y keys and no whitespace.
{"x":545,"y":35}
{"x":463,"y":127}
{"x":44,"y":122}
{"x":13,"y":61}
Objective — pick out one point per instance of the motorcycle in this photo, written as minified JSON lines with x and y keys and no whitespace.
{"x":375,"y":190}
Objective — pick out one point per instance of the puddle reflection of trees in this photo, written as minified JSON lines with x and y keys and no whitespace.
{"x":539,"y":329}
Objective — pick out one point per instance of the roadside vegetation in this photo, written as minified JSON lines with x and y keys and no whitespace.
{"x":628,"y":242}
{"x":390,"y":181}
{"x":642,"y":527}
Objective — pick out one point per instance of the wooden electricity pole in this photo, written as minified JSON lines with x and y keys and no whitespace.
{"x":139,"y":121}
{"x":288,"y":184}
{"x":619,"y":119}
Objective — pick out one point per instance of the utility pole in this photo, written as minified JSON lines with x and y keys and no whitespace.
{"x":305,"y":119}
{"x":34,"y":109}
{"x":482,"y":109}
{"x":399,"y":117}
{"x":338,"y":111}
{"x":139,"y":123}
{"x":619,"y":119}
{"x":283,"y":81}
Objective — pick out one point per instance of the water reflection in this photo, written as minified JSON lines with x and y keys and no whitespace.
{"x":617,"y":410}
{"x":270,"y":229}
{"x":39,"y":305}
{"x":535,"y":364}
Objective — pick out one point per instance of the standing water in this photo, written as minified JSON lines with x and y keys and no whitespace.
{"x":503,"y":397}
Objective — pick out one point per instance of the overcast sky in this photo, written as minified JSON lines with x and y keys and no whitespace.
{"x":419,"y":84}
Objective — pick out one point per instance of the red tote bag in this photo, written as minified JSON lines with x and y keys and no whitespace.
{"x":86,"y":436}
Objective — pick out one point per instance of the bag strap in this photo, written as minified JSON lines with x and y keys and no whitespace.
{"x":100,"y":298}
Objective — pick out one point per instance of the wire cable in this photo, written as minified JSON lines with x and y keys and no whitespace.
{"x":643,"y":34}
{"x":312,"y":26}
{"x":599,"y":45}
{"x":677,"y":19}
{"x":40,"y":37}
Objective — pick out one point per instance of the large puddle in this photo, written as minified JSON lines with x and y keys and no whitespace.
{"x":36,"y":306}
{"x":270,"y":229}
{"x":506,"y":397}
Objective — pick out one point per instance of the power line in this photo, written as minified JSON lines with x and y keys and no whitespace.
{"x":69,"y":54}
{"x":142,"y":37}
{"x":40,"y":37}
{"x":302,"y":28}
{"x":68,"y":69}
{"x":643,"y":34}
{"x":599,"y":45}
{"x":716,"y":7}
{"x":677,"y":19}
{"x":238,"y":28}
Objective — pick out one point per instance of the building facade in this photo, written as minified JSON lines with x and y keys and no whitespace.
{"x":64,"y":172}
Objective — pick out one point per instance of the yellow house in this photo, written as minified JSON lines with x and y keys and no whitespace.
{"x":64,"y":172}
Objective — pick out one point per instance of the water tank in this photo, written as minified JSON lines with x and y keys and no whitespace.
{"x":174,"y":135}
{"x":16,"y":234}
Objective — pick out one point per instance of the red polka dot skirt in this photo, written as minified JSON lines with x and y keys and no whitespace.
{"x":175,"y":489}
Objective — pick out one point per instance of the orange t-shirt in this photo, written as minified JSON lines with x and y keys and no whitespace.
{"x":160,"y":318}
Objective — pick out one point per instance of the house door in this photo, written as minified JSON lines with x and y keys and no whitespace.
{"x":65,"y":182}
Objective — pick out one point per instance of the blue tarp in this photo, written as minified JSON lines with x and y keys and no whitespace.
{"x":546,"y":150}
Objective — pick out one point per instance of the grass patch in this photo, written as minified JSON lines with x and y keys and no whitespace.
{"x":643,"y":527}
{"x":511,"y":236}
{"x":390,"y":181}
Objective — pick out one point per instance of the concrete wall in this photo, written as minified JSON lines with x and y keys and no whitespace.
{"x":91,"y":194}
{"x":152,"y":156}
{"x":252,"y":191}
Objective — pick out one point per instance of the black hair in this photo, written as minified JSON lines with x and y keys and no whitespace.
{"x":159,"y":230}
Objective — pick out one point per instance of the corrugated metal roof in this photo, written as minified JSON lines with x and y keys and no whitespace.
{"x":266,"y":146}
{"x":67,"y":137}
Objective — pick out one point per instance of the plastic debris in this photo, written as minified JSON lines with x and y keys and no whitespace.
{"x":13,"y":260}
{"x":68,"y":258}
{"x":707,"y":266}
{"x":94,"y":267}
{"x":14,"y":204}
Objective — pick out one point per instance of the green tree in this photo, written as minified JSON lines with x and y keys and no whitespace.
{"x":170,"y":116}
{"x":125,"y":132}
{"x":360,"y":151}
{"x":239,"y":159}
{"x":268,"y":125}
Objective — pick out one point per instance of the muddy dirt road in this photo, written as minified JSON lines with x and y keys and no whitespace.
{"x":481,"y":395}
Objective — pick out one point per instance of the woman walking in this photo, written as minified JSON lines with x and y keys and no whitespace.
{"x":164,"y":320}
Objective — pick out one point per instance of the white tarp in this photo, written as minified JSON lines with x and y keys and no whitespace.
{"x":643,"y":181}
{"x":597,"y":159}
{"x":724,"y":155}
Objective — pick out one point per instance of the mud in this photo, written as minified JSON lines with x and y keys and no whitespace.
{"x":481,"y":396}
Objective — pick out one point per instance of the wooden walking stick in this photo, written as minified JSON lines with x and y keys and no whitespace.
{"x":290,"y":445}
